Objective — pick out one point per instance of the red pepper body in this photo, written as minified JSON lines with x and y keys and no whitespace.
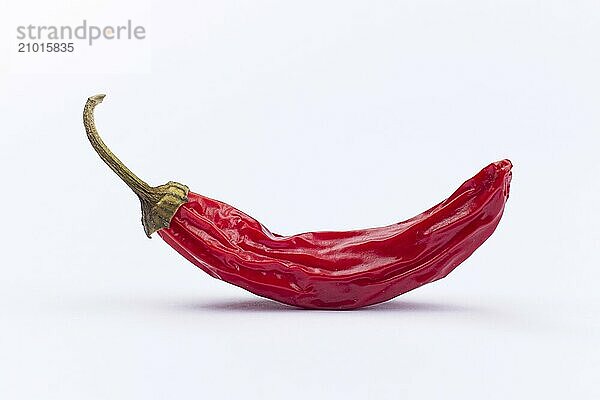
{"x":340,"y":270}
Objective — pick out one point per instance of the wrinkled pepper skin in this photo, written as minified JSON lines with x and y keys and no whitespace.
{"x":340,"y":270}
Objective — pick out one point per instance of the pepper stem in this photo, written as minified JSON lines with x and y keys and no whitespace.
{"x":160,"y":203}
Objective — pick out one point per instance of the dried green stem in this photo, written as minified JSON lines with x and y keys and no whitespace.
{"x":160,"y":203}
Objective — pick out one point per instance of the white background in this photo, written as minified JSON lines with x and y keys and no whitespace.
{"x":307,"y":115}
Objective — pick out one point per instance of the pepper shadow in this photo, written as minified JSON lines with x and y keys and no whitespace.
{"x":265,"y":305}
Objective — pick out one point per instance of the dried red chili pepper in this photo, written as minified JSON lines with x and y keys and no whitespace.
{"x":324,"y":270}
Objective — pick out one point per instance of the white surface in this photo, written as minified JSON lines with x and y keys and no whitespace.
{"x":312,"y":115}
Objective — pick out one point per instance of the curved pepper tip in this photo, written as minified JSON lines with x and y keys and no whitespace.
{"x":505,"y":165}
